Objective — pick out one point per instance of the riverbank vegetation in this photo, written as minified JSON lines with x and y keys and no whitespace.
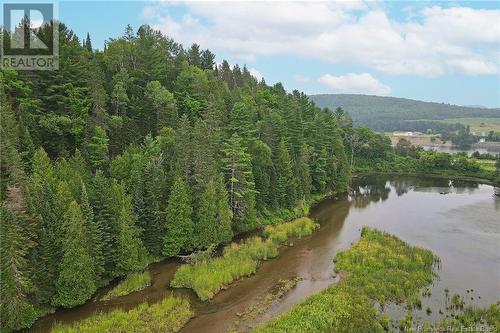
{"x":168,"y":316}
{"x":372,"y":152}
{"x":297,"y":228}
{"x":146,"y":149}
{"x":133,"y":282}
{"x":207,"y":277}
{"x":378,"y":259}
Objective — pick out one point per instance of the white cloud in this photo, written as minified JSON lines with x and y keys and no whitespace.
{"x":149,"y":12}
{"x":255,"y":73}
{"x":432,"y":42}
{"x":354,"y":83}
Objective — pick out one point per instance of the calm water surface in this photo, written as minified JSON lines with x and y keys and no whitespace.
{"x":458,"y":220}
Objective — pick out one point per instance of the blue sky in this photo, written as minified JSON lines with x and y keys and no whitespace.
{"x":433,"y":51}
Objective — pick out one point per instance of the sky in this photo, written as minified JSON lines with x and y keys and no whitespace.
{"x":433,"y":51}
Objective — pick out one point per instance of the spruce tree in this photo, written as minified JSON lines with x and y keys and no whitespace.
{"x":129,"y":254}
{"x":179,"y":226}
{"x":149,"y":206}
{"x":88,"y":43}
{"x":42,"y":205}
{"x":205,"y":226}
{"x":104,"y":218}
{"x":93,"y":235}
{"x":26,"y":148}
{"x":207,"y":60}
{"x":75,"y":283}
{"x":194,"y":55}
{"x":97,"y":148}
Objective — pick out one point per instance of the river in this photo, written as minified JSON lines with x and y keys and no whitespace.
{"x":458,"y":220}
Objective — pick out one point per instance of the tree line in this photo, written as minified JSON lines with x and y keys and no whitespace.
{"x":143,"y":151}
{"x":383,"y":113}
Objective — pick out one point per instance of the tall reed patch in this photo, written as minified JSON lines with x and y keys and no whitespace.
{"x":207,"y":277}
{"x":300,"y":227}
{"x":167,"y":316}
{"x":133,"y":282}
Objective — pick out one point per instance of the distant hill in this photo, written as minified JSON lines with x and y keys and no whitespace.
{"x":391,"y":113}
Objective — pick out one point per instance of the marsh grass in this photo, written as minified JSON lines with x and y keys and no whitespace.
{"x":167,"y":316}
{"x":469,"y":320}
{"x":379,"y":268}
{"x":133,"y":282}
{"x":380,"y":259}
{"x":297,"y":228}
{"x":211,"y":275}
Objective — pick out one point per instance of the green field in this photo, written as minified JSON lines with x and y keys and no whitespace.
{"x":477,"y":124}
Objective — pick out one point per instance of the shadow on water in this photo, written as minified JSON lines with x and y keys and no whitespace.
{"x":458,"y":220}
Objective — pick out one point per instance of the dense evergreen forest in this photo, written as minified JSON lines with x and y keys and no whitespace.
{"x":401,"y":114}
{"x":143,"y":151}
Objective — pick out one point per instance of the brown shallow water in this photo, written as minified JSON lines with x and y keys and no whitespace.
{"x":462,"y":227}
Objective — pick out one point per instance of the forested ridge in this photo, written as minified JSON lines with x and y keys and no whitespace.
{"x":142,"y":151}
{"x":383,"y":113}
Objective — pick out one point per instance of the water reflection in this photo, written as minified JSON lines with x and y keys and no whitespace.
{"x":458,"y":220}
{"x":374,"y":188}
{"x":366,"y":190}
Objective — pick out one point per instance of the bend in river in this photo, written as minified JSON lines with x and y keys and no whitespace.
{"x":458,"y":220}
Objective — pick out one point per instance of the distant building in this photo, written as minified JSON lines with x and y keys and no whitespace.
{"x":406,"y":133}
